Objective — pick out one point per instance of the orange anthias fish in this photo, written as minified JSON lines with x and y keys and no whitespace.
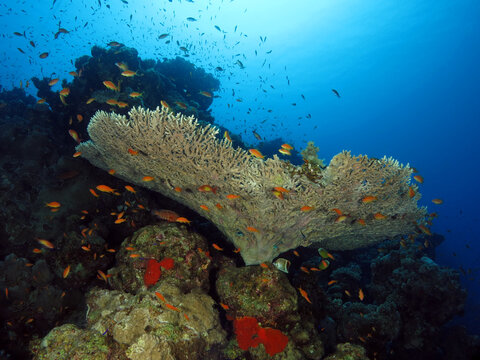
{"x":361,"y":295}
{"x":129,"y":73}
{"x":132,"y":152}
{"x":65,"y":92}
{"x":287,"y":146}
{"x":411,"y":192}
{"x":148,"y":178}
{"x":66,"y":271}
{"x":284,"y":151}
{"x":102,"y":275}
{"x":304,"y":294}
{"x":256,"y":153}
{"x":368,"y":199}
{"x":53,"y":204}
{"x":207,"y":188}
{"x":135,"y":94}
{"x":226,"y":135}
{"x":168,"y":215}
{"x":130,"y":188}
{"x":181,"y":105}
{"x":216,"y":247}
{"x":46,"y":243}
{"x":233,"y":196}
{"x":206,"y":94}
{"x":306,"y":208}
{"x":105,"y":188}
{"x":418,"y":178}
{"x":379,"y":216}
{"x":437,"y":201}
{"x":53,"y":82}
{"x":224,"y":306}
{"x":171,"y":307}
{"x":183,"y":220}
{"x":251,"y":229}
{"x":110,"y":85}
{"x":93,"y":193}
{"x":160,"y":296}
{"x":74,"y":135}
{"x":204,"y":207}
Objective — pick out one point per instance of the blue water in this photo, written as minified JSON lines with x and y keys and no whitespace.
{"x":407,"y":74}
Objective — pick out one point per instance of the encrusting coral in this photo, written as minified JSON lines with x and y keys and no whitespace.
{"x":355,"y":201}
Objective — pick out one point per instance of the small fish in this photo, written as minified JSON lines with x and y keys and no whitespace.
{"x":336,"y":93}
{"x":111,"y":171}
{"x":119,"y":221}
{"x":206,"y":94}
{"x":216,"y":247}
{"x":348,"y":293}
{"x":331,"y":282}
{"x":341,"y":218}
{"x":233,"y":196}
{"x":112,"y":102}
{"x":304,"y":294}
{"x":135,"y":256}
{"x":165,"y":104}
{"x":79,"y":117}
{"x":425,"y":230}
{"x":219,"y":206}
{"x":53,"y":82}
{"x":160,"y":296}
{"x":418,"y":178}
{"x":77,"y":154}
{"x":102,"y":276}
{"x":251,"y":229}
{"x":191,"y":19}
{"x":411,"y":192}
{"x":114,"y":44}
{"x":281,"y":189}
{"x":148,"y":178}
{"x":295,"y":252}
{"x":135,"y":94}
{"x":64,"y":92}
{"x":41,"y":101}
{"x":183,"y":220}
{"x":105,"y":188}
{"x":256,"y":153}
{"x":110,"y":85}
{"x":257,"y":136}
{"x":93,"y":193}
{"x":306,"y":208}
{"x":171,"y":307}
{"x":361,"y":222}
{"x":74,"y":135}
{"x":226,"y":135}
{"x":368,"y":199}
{"x":379,"y":216}
{"x":177,"y":189}
{"x":304,"y":269}
{"x":163,"y":36}
{"x":129,"y":73}
{"x":204,"y":207}
{"x":287,"y":146}
{"x":361,"y":295}
{"x":263,"y":265}
{"x":224,"y":306}
{"x":181,"y":105}
{"x":130,"y":188}
{"x":207,"y":188}
{"x":46,"y":243}
{"x":437,"y":201}
{"x":237,"y":250}
{"x":53,"y":204}
{"x":284,"y":151}
{"x":43,"y":55}
{"x":66,"y":272}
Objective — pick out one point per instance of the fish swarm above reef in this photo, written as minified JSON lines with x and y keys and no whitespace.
{"x":180,"y":153}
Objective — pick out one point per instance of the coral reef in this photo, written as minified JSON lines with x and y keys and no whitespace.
{"x":179,"y":153}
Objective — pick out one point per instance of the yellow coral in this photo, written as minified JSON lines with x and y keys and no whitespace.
{"x":178,"y":152}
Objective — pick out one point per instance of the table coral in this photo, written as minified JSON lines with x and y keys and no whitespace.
{"x":179,"y":153}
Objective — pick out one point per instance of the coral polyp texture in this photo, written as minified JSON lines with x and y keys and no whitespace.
{"x":353,"y":202}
